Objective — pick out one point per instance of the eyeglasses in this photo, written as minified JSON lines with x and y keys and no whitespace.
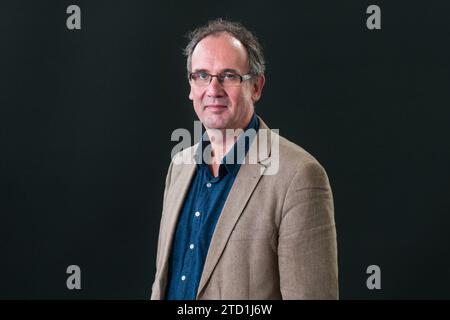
{"x":226,"y":79}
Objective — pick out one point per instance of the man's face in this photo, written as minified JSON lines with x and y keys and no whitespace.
{"x":218,"y":107}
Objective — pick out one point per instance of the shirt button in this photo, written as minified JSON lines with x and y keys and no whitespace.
{"x":208,"y":185}
{"x":192,"y":246}
{"x":197,"y":214}
{"x":183,"y":278}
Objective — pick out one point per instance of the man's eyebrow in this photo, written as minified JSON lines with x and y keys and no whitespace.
{"x":224,"y":70}
{"x":230,"y":70}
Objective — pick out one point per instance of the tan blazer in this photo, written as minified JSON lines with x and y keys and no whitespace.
{"x":275,"y":237}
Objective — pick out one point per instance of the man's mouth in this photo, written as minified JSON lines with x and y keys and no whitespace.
{"x":215,"y":107}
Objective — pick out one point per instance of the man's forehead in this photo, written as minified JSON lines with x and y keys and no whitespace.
{"x":222,"y":39}
{"x":221,"y":51}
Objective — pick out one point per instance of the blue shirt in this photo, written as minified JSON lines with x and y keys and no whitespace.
{"x":199,"y":215}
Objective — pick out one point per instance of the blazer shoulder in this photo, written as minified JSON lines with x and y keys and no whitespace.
{"x":295,"y":161}
{"x":295,"y":157}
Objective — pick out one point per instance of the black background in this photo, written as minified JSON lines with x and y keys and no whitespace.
{"x":86,"y":117}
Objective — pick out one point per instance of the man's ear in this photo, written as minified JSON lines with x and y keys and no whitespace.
{"x":257,"y":86}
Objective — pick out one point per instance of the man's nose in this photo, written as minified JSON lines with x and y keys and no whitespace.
{"x":215,"y":88}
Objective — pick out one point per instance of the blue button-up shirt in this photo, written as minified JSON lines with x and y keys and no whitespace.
{"x":198,"y":218}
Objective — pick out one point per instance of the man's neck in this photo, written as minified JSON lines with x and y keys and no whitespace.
{"x":222,"y":140}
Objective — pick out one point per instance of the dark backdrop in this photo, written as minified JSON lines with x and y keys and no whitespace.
{"x":86,"y":118}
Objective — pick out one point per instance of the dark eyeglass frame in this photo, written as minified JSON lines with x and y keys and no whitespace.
{"x":221,"y":76}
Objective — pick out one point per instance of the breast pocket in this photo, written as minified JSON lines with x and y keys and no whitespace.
{"x":241,"y":233}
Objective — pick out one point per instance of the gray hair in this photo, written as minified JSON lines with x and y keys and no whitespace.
{"x":238,"y":31}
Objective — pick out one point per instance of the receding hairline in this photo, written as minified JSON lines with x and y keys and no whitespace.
{"x":224,"y":33}
{"x":234,"y":30}
{"x":240,"y":47}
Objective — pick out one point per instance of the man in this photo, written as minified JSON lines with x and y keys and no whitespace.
{"x":228,"y":229}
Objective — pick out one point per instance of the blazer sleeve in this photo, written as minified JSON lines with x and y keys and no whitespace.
{"x":307,"y":249}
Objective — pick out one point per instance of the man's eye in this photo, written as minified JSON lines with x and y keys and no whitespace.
{"x":229,"y":76}
{"x":202,"y":75}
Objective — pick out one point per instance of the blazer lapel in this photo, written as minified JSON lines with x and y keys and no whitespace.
{"x":175,"y":202}
{"x":246,"y":181}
